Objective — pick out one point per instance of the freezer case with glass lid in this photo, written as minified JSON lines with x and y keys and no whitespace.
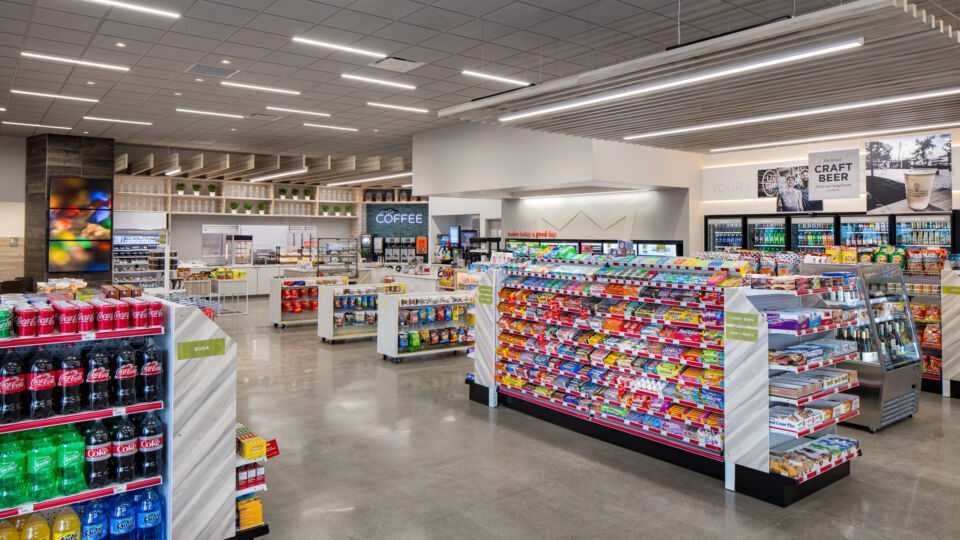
{"x":889,"y":365}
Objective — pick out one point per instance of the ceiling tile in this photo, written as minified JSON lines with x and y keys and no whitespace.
{"x":186,"y":41}
{"x":278,"y":25}
{"x":197,"y":27}
{"x":220,"y":13}
{"x":561,"y":27}
{"x":304,"y":10}
{"x":474,"y":8}
{"x":449,"y":43}
{"x":65,"y":20}
{"x":405,"y":33}
{"x":354,"y":21}
{"x":394,"y":9}
{"x":604,"y":12}
{"x":519,"y":15}
{"x":438,"y":19}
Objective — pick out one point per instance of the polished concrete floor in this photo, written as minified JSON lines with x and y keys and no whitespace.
{"x":370,"y":449}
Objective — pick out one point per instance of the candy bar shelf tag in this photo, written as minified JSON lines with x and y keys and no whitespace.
{"x":297,"y":300}
{"x":419,"y":324}
{"x":350,"y":311}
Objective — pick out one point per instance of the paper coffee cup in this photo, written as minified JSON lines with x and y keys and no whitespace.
{"x":917,"y":185}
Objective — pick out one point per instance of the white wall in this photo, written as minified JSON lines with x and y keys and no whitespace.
{"x":13,"y":182}
{"x":448,"y":211}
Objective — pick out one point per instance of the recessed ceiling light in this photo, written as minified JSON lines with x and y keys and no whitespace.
{"x":325,"y":126}
{"x":797,"y":114}
{"x":91,"y":83}
{"x":177,"y":94}
{"x":210,"y":113}
{"x":198,"y":79}
{"x":375,"y":179}
{"x":344,"y":48}
{"x":233,"y":129}
{"x":260,"y":88}
{"x":397,"y":107}
{"x":379,"y":81}
{"x":407,"y":185}
{"x":54,"y":96}
{"x":841,"y":136}
{"x":65,"y":60}
{"x":225,"y":62}
{"x":497,"y":78}
{"x":3,"y":109}
{"x":121,"y":44}
{"x":703,"y":76}
{"x":102,"y":119}
{"x":135,"y":7}
{"x":86,"y":132}
{"x":173,"y":171}
{"x":297,"y":111}
{"x":376,"y":131}
{"x":278,"y":175}
{"x":35,"y":125}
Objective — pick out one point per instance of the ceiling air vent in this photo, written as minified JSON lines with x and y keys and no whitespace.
{"x":398,"y":65}
{"x":211,"y":71}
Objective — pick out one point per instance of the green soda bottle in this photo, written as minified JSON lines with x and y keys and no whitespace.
{"x":70,"y":452}
{"x":42,"y":478}
{"x":12,"y":466}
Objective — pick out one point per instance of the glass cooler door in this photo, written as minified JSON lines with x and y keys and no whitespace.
{"x":812,"y":234}
{"x":864,"y":231}
{"x":723,"y":233}
{"x":767,"y":233}
{"x":924,"y":231}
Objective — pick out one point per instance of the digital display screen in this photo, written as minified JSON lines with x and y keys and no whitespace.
{"x":79,"y":256}
{"x":72,"y":224}
{"x":455,"y":236}
{"x":81,"y":193}
{"x":80,"y":224}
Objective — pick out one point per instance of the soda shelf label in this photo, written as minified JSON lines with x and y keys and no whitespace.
{"x":190,"y":350}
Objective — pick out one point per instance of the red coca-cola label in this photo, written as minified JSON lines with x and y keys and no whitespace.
{"x":41,"y":381}
{"x":151,"y":444}
{"x":97,"y":452}
{"x":68,"y":316}
{"x":98,"y":375}
{"x":12,"y":384}
{"x":104,"y":315}
{"x":124,"y":448}
{"x":151,"y":368}
{"x":69,"y":377}
{"x":126,"y":371}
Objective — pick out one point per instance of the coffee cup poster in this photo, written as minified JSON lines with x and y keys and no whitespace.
{"x":790,"y":186}
{"x":909,"y":175}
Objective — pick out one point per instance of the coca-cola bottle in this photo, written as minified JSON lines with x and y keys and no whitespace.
{"x":41,"y":379}
{"x":96,"y":389}
{"x":96,"y":465}
{"x":69,"y":381}
{"x":123,"y":386}
{"x":124,"y":436}
{"x":13,"y":382}
{"x":150,"y":446}
{"x":150,"y":368}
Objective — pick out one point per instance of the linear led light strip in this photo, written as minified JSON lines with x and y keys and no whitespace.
{"x":65,"y":60}
{"x":135,"y":7}
{"x":115,"y":120}
{"x":54,"y":96}
{"x":260,"y":88}
{"x":283,"y":174}
{"x":325,"y":126}
{"x":798,"y":114}
{"x":368,"y":180}
{"x":344,"y":48}
{"x":841,"y":136}
{"x":497,"y":78}
{"x":397,"y":107}
{"x":209,"y":113}
{"x":378,"y":81}
{"x":297,"y":111}
{"x":618,"y":192}
{"x":684,"y":81}
{"x":35,"y":125}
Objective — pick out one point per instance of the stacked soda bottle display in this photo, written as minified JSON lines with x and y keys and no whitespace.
{"x":44,"y":318}
{"x":36,"y":383}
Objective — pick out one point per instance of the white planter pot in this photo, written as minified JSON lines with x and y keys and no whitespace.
{"x":325,"y":214}
{"x":261,"y":212}
{"x":196,"y":193}
{"x":295,"y":197}
{"x":179,"y":192}
{"x":213,"y":193}
{"x":306,"y":197}
{"x":349,"y":214}
{"x":337,"y":214}
{"x":282,"y":197}
{"x":232,"y":211}
{"x":246,"y":212}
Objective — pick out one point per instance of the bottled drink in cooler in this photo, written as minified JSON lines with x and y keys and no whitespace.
{"x":12,"y":469}
{"x":97,"y":455}
{"x":35,"y":528}
{"x":124,"y":451}
{"x":122,"y":518}
{"x":41,"y":379}
{"x":149,"y":512}
{"x":66,"y":526}
{"x":94,"y":523}
{"x":96,"y":389}
{"x":150,"y":372}
{"x":13,"y":382}
{"x":70,"y":453}
{"x":150,"y":446}
{"x":69,"y":381}
{"x":41,"y":475}
{"x":9,"y":531}
{"x":124,"y":376}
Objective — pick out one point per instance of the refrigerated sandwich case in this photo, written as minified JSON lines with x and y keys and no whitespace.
{"x":723,"y":233}
{"x":811,"y":234}
{"x":767,"y":233}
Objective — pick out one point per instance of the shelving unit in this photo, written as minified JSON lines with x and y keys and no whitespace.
{"x":949,"y":384}
{"x":435,"y":314}
{"x":334,"y":319}
{"x":140,"y":258}
{"x":286,"y":294}
{"x":249,"y":507}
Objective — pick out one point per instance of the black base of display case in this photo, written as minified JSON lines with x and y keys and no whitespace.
{"x":934,"y":386}
{"x":252,"y":532}
{"x":955,"y":389}
{"x":700,"y":464}
{"x":479,"y":393}
{"x":783,"y":491}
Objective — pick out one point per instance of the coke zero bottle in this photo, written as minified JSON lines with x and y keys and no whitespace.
{"x":41,"y":379}
{"x":69,"y":381}
{"x":96,"y":390}
{"x":150,"y":446}
{"x":124,"y":370}
{"x":96,"y":465}
{"x":13,"y":382}
{"x":124,"y":450}
{"x":150,"y":367}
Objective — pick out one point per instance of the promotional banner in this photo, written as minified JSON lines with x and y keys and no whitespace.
{"x":789,"y":185}
{"x":909,"y":175}
{"x":835,"y":174}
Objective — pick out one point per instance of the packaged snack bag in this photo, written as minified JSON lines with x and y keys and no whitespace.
{"x":865,"y":255}
{"x":403,"y":341}
{"x":413,"y":339}
{"x":848,"y":256}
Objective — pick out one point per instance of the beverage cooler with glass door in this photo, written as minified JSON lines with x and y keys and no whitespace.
{"x":812,"y":234}
{"x":864,"y":231}
{"x":724,"y":233}
{"x":924,"y":231}
{"x":767,"y":233}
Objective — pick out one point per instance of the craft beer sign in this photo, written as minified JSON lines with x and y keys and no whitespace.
{"x":835,"y":174}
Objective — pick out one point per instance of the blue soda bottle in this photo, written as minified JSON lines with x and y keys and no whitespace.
{"x":94,"y":524}
{"x":149,"y":509}
{"x":122,"y":518}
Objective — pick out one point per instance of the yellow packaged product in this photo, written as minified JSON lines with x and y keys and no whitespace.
{"x":668,"y":369}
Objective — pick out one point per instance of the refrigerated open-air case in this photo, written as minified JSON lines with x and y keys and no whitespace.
{"x":812,"y":234}
{"x":864,"y":230}
{"x":723,"y":233}
{"x":767,"y":233}
{"x":923,"y":231}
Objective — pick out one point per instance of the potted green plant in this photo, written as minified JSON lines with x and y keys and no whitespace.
{"x":336,"y":210}
{"x":349,"y":210}
{"x":296,"y":193}
{"x":262,"y":207}
{"x":325,"y":209}
{"x":247,"y":207}
{"x":307,"y":193}
{"x":181,"y":188}
{"x":234,"y":206}
{"x":212,"y":189}
{"x":196,"y":189}
{"x":283,"y":193}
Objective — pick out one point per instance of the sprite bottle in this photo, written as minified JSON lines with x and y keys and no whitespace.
{"x":12,"y":465}
{"x":42,"y":478}
{"x":70,"y":452}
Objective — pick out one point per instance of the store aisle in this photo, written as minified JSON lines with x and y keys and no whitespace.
{"x":370,"y":449}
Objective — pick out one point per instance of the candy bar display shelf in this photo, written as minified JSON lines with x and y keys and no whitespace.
{"x":394,"y":318}
{"x":286,"y":292}
{"x":198,"y":398}
{"x":688,"y":383}
{"x":340,"y":305}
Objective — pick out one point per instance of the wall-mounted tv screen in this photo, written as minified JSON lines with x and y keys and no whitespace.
{"x":80,"y":224}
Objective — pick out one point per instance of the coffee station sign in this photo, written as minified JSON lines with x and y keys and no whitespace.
{"x":834,"y":174}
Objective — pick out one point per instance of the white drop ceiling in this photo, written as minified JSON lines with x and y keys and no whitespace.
{"x":533,"y":40}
